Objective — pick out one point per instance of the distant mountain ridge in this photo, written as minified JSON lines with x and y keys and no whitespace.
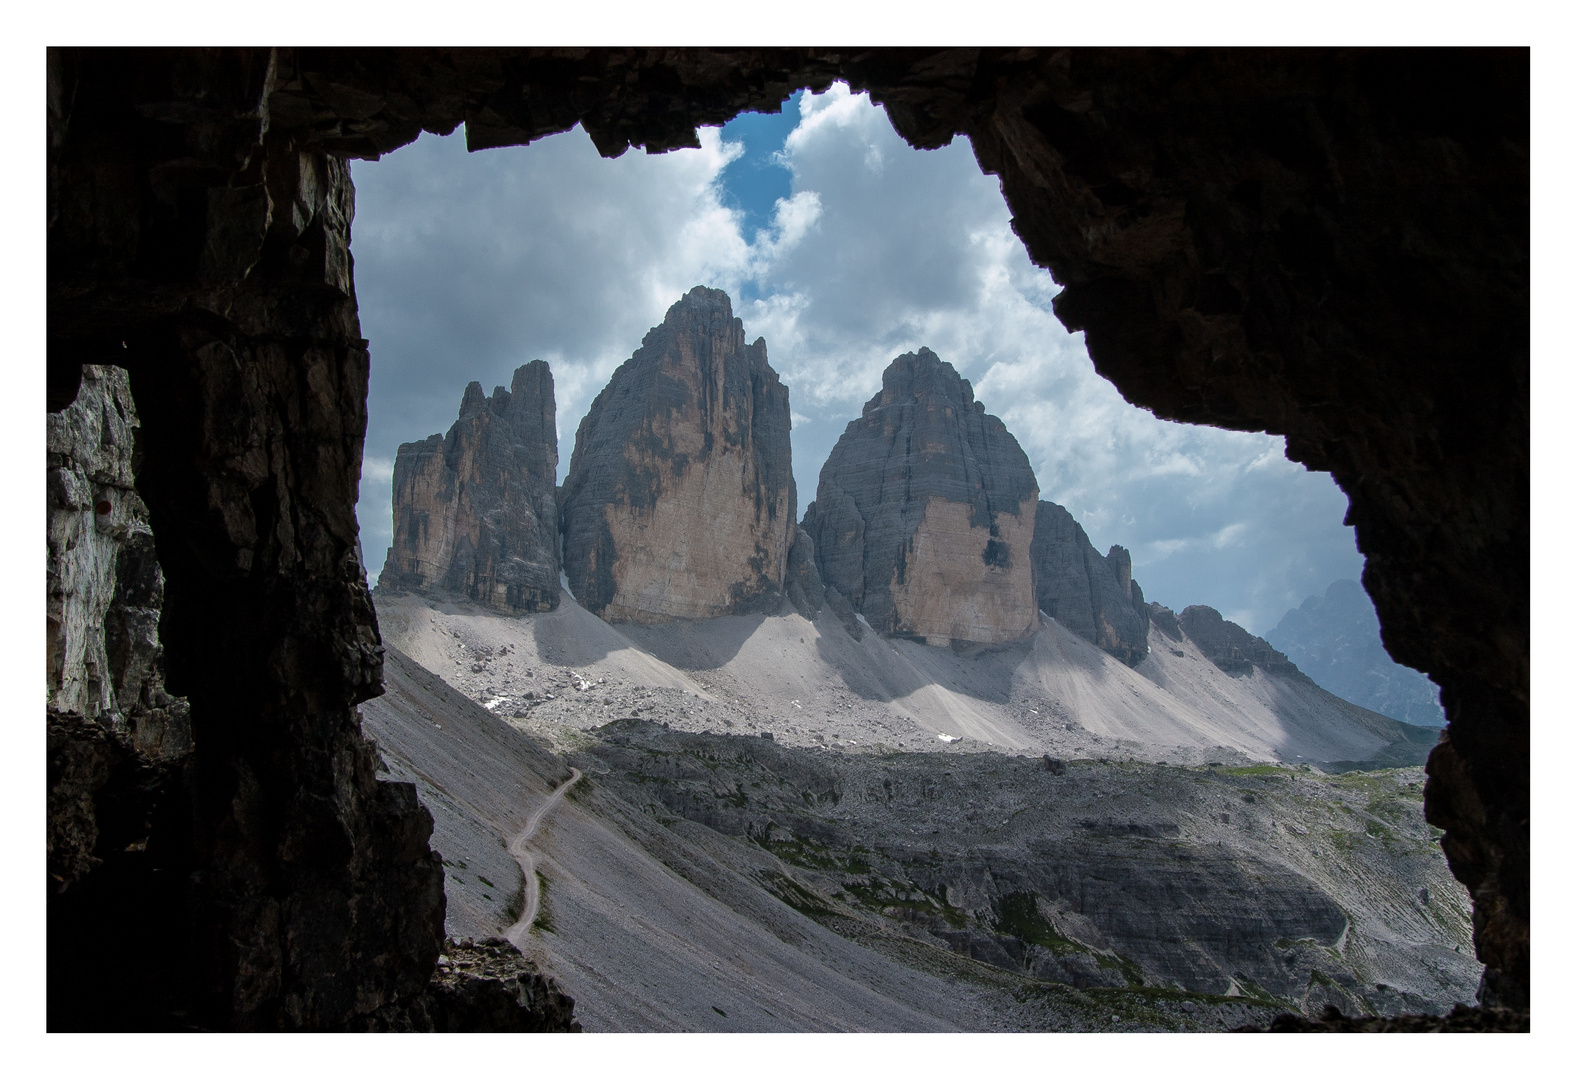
{"x":1335,"y":640}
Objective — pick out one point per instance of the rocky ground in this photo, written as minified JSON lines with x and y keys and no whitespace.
{"x":1280,"y":885}
{"x":809,"y":683}
{"x":831,"y":862}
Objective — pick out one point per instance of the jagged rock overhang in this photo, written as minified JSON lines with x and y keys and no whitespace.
{"x":1326,"y":244}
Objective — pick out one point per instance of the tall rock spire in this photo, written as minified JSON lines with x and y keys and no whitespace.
{"x":1093,"y":595}
{"x":680,"y":496}
{"x":475,"y":513}
{"x":925,"y":511}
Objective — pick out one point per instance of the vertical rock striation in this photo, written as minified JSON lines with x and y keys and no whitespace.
{"x":1095,"y":596}
{"x":680,"y":496}
{"x":925,"y":511}
{"x":475,"y":511}
{"x":105,"y":590}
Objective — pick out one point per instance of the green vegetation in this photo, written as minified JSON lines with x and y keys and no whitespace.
{"x":517,"y":903}
{"x":801,"y":851}
{"x":1258,"y":770}
{"x":1018,"y":915}
{"x":796,"y":896}
{"x":890,"y":898}
{"x":543,"y":923}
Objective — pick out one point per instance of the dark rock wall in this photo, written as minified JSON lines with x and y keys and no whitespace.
{"x":679,"y":501}
{"x":1333,"y":246}
{"x":1326,"y":244}
{"x":1093,"y":595}
{"x":475,"y":512}
{"x":1230,"y":647}
{"x":207,"y":253}
{"x":925,"y":510}
{"x":1335,"y":640}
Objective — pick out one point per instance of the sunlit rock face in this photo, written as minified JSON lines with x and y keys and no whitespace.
{"x":680,"y":499}
{"x":475,"y":512}
{"x":925,"y":512}
{"x":1093,"y":595}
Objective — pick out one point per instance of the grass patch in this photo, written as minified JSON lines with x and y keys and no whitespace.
{"x":807,"y":853}
{"x":1018,"y":915}
{"x":796,"y":896}
{"x":516,"y":906}
{"x":1257,"y":770}
{"x":799,"y":851}
{"x":543,"y":923}
{"x":884,"y":896}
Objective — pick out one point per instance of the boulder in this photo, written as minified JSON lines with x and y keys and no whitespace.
{"x":680,"y":498}
{"x":475,"y":511}
{"x":925,"y":512}
{"x":1093,"y":595}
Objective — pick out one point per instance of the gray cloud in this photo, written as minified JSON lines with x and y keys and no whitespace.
{"x":468,"y":265}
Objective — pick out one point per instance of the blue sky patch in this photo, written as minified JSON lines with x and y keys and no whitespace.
{"x":755,"y":181}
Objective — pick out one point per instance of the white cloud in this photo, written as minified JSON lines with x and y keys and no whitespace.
{"x":377,"y":469}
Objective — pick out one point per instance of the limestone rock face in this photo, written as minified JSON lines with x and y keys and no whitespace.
{"x":104,"y":658}
{"x":1095,"y":596}
{"x":680,"y":498}
{"x":1230,"y":647}
{"x":809,"y":594}
{"x":802,"y":581}
{"x":925,"y":512}
{"x":475,"y":511}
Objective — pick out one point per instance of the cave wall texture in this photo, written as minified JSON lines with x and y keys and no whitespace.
{"x":1331,"y":245}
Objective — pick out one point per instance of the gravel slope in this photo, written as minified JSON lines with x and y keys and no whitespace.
{"x":811,"y":684}
{"x":692,"y":882}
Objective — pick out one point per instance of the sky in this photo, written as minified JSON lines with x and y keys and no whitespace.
{"x":843,"y":247}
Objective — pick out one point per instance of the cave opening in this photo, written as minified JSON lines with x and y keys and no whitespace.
{"x":1252,"y":304}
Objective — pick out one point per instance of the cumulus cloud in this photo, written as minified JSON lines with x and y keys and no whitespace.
{"x":468,"y":265}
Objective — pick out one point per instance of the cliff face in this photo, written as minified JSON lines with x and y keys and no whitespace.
{"x":1095,"y":596}
{"x":475,"y":514}
{"x":925,"y":511}
{"x":1230,"y":647}
{"x":105,"y":589}
{"x":1335,"y":640}
{"x":680,"y":497}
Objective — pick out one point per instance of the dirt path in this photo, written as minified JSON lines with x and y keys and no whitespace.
{"x":528,"y":860}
